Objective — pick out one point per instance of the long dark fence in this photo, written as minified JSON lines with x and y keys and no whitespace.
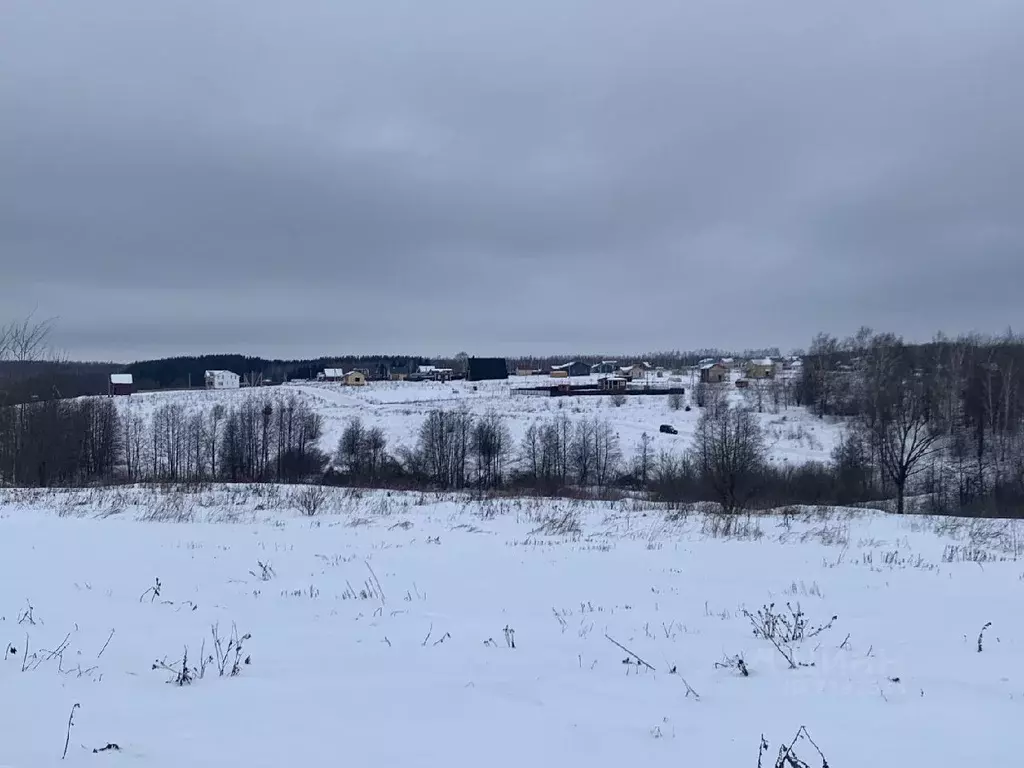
{"x":585,"y":390}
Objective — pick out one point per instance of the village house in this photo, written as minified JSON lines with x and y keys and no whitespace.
{"x":604,"y":367}
{"x":400,"y":371}
{"x":713,"y":373}
{"x":572,"y":369}
{"x":431,"y":373}
{"x":761,"y":369}
{"x":120,"y":384}
{"x":354,"y":379}
{"x":637,"y":371}
{"x":330,"y":374}
{"x":222,"y":380}
{"x":376,"y":370}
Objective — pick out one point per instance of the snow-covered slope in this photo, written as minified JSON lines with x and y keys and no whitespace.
{"x":400,"y":407}
{"x":378,"y":633}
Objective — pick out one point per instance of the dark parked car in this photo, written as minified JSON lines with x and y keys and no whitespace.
{"x":668,"y":429}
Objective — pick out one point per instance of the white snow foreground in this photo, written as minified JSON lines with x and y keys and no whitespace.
{"x":382,"y":633}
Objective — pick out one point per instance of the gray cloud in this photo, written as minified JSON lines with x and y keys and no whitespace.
{"x":215,"y":176}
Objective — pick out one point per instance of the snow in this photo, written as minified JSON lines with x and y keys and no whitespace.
{"x":399,"y":408}
{"x":379,"y":636}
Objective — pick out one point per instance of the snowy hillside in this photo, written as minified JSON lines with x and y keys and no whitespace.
{"x":399,"y":408}
{"x":382,"y":632}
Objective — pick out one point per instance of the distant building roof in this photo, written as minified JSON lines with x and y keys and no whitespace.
{"x":333,"y":373}
{"x":763,"y":361}
{"x":121,"y":378}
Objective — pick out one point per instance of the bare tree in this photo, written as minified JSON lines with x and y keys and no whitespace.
{"x":213,"y":436}
{"x":133,"y":428}
{"x":557,"y":450}
{"x":546,"y":452}
{"x":905,"y":440}
{"x":729,"y":452}
{"x":819,"y":379}
{"x":709,"y":396}
{"x":758,"y":392}
{"x":26,"y":340}
{"x":584,"y":447}
{"x":490,"y":445}
{"x":607,"y":454}
{"x":443,"y":447}
{"x":643,"y":459}
{"x":375,"y":457}
{"x":351,"y":448}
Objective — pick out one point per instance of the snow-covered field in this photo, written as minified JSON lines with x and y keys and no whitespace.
{"x":399,"y":408}
{"x":381,"y":633}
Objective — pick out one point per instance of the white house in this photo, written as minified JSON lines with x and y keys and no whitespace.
{"x":222,"y":380}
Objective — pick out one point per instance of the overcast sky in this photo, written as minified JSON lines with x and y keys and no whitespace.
{"x":324,"y":177}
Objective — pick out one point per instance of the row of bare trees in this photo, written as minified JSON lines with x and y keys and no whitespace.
{"x":455,"y":449}
{"x":88,"y":440}
{"x":942,"y":421}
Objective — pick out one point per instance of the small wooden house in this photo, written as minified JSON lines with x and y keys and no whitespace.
{"x":354,"y":379}
{"x":713,"y":373}
{"x":120,"y":384}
